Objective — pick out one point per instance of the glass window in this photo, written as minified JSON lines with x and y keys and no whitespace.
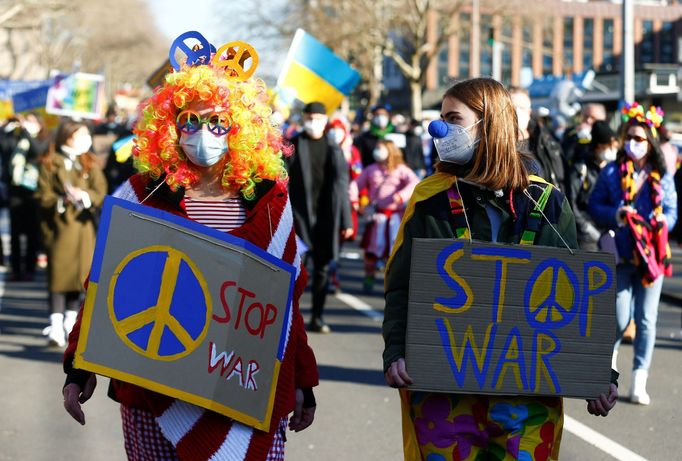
{"x":547,"y":47}
{"x":610,"y":61}
{"x":667,"y":45}
{"x":646,"y":46}
{"x":442,"y":66}
{"x":486,"y":49}
{"x":464,"y":40}
{"x":506,"y":51}
{"x":568,"y":44}
{"x":527,"y":45}
{"x":588,"y":43}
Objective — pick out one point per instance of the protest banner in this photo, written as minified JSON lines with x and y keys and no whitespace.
{"x":312,"y":72}
{"x":488,"y":318}
{"x":77,"y":95}
{"x":187,"y":311}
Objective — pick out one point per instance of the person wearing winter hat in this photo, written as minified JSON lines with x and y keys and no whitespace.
{"x":318,"y":187}
{"x":583,"y":177}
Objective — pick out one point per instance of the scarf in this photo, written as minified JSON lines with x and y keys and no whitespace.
{"x":651,"y":253}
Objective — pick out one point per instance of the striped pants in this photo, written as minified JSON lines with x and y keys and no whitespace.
{"x":144,"y":440}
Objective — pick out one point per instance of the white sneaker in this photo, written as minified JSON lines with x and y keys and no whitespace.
{"x":56,"y":335}
{"x":69,"y":321}
{"x":638,"y":392}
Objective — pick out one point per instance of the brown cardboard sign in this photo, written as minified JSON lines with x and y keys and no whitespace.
{"x":489,"y":318}
{"x":187,"y":311}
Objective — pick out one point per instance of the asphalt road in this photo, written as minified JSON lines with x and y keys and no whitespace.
{"x":357,"y":416}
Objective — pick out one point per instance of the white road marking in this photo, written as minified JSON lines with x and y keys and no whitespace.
{"x":360,"y":306}
{"x":600,"y":441}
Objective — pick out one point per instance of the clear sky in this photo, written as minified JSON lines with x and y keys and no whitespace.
{"x":173,"y":17}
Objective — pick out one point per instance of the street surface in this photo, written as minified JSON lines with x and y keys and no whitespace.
{"x":357,"y":416}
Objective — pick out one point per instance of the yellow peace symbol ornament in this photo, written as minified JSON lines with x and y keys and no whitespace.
{"x":233,"y":56}
{"x":150,"y":328}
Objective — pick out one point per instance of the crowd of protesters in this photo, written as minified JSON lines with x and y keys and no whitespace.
{"x":53,"y":185}
{"x":351,"y":179}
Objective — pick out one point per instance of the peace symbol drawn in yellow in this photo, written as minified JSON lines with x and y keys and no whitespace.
{"x":552,"y":297}
{"x":159,"y":314}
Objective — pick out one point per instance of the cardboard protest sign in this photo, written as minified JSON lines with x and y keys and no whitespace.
{"x":488,"y":318}
{"x":77,"y":95}
{"x":187,"y":311}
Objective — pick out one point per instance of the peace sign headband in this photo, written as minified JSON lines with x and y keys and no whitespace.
{"x":237,"y":58}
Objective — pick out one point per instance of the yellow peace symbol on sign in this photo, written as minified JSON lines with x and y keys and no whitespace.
{"x":551,"y":298}
{"x":233,"y":56}
{"x":159,"y":303}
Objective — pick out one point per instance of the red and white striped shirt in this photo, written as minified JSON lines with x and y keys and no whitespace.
{"x":223,"y":215}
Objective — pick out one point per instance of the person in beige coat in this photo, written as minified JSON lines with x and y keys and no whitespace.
{"x":71,"y":188}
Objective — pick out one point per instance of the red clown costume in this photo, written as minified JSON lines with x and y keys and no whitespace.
{"x":157,"y":426}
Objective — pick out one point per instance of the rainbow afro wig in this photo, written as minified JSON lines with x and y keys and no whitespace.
{"x":218,"y":79}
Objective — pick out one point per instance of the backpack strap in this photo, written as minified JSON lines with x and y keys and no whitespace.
{"x":535,"y":215}
{"x":457,"y":211}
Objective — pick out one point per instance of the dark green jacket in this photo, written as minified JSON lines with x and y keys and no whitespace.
{"x":428,"y":215}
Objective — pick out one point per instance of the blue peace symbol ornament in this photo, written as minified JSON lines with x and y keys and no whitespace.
{"x":199,"y":56}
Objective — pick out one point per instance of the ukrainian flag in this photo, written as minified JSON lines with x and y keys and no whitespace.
{"x":123,"y":148}
{"x":312,"y":72}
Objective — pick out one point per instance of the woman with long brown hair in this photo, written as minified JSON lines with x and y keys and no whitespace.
{"x":482,"y":191}
{"x":71,"y":188}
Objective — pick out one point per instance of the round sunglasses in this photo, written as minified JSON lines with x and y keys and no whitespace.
{"x":189,"y":121}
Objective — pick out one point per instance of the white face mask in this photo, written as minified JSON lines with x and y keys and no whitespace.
{"x":380,"y":155}
{"x":523,"y":117}
{"x":456,"y":146}
{"x":336,"y":135}
{"x":203,"y":148}
{"x":381,"y":121}
{"x":82,"y":144}
{"x":315,"y":127}
{"x":584,"y":134}
{"x":608,"y":155}
{"x":32,"y":128}
{"x":636,"y":150}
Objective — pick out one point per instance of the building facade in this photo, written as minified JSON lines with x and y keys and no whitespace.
{"x":556,"y":37}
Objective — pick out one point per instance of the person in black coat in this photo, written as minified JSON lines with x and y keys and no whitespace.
{"x":318,"y":190}
{"x":536,"y":140}
{"x":583,"y":177}
{"x":379,"y":126}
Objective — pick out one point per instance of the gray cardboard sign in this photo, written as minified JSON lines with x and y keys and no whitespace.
{"x":185,"y":310}
{"x":488,"y":318}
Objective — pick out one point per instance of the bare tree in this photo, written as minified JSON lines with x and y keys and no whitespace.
{"x":117,"y":39}
{"x":410,"y":33}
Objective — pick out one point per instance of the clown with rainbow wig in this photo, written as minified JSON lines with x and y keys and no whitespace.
{"x":206,"y":150}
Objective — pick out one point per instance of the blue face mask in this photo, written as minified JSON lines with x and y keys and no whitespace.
{"x":203,"y":148}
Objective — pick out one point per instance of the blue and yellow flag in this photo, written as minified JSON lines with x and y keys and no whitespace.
{"x":312,"y":72}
